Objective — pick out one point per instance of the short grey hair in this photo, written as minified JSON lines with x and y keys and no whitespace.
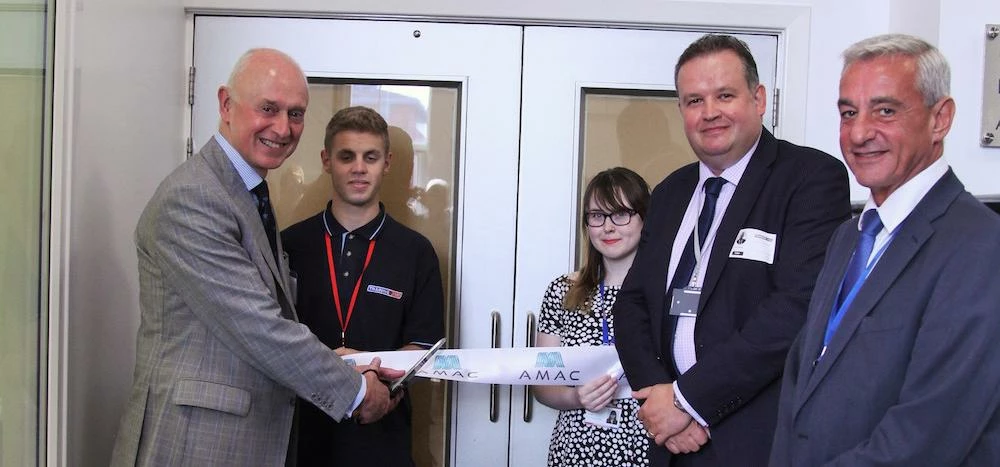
{"x":933,"y":73}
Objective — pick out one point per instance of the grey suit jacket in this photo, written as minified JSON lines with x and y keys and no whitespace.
{"x":911,"y":377}
{"x":220,"y":355}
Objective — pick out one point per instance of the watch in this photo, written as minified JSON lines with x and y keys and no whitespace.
{"x":677,"y":403}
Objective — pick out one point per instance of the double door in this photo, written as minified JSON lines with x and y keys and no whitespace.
{"x":494,"y":132}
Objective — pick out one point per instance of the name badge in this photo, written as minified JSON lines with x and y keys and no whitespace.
{"x":755,"y":245}
{"x":684,"y":302}
{"x":385,"y":291}
{"x":608,"y":417}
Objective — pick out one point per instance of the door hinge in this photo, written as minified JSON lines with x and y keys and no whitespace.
{"x":777,"y":105}
{"x":190,"y":86}
{"x":189,"y":148}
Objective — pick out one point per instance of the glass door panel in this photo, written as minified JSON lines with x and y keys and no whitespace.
{"x":638,"y":129}
{"x":418,"y":192}
{"x":24,"y":225}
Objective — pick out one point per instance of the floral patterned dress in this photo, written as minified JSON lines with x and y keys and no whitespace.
{"x":574,"y":442}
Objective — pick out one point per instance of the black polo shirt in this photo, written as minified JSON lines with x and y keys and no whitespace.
{"x":399,"y":301}
{"x":400,"y":298}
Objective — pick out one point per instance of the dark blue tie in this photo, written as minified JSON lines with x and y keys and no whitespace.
{"x":871,"y":224}
{"x":267,"y":216}
{"x":685,"y":267}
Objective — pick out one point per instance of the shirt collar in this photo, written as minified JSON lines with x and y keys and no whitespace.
{"x":733,"y":174}
{"x":368,"y":231}
{"x":250,"y":176}
{"x":901,"y":202}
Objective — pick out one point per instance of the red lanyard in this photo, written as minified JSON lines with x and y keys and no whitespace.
{"x":336,"y":291}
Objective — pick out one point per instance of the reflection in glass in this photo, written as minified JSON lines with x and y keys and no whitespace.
{"x":418,"y":191}
{"x":638,"y":129}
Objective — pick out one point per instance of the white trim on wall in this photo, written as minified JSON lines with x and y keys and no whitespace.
{"x":790,"y":22}
{"x":63,"y":110}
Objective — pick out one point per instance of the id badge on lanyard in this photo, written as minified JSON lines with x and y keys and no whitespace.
{"x":684,"y":301}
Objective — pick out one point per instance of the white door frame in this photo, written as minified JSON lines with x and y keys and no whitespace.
{"x":791,"y":23}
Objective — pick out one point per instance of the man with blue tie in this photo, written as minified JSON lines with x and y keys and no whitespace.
{"x":898,"y":363}
{"x":727,"y":260}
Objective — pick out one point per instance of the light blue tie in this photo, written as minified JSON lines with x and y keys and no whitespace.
{"x":871,"y":224}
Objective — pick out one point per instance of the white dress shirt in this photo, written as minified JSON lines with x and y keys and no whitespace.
{"x":898,"y":205}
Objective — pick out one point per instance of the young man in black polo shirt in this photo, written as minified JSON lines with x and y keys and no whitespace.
{"x":387,"y":294}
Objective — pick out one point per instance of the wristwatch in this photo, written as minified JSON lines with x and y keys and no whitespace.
{"x":677,"y":403}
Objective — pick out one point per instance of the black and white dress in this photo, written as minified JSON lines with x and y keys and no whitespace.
{"x":574,"y":442}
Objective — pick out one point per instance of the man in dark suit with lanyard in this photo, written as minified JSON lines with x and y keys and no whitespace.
{"x":898,"y":363}
{"x":365,"y":283}
{"x":727,"y":261}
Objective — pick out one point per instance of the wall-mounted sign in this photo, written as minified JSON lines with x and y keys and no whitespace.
{"x":990,"y":135}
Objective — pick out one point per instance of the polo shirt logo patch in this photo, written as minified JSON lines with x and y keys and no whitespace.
{"x":385,"y":291}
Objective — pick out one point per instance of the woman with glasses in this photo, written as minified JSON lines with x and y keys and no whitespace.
{"x":593,"y":428}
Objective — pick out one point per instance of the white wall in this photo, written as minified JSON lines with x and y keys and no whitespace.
{"x":127,"y":94}
{"x":125,"y":80}
{"x":962,"y":42}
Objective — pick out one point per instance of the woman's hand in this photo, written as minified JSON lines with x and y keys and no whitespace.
{"x":597,"y":393}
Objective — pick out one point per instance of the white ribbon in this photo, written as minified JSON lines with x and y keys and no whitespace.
{"x":547,"y":366}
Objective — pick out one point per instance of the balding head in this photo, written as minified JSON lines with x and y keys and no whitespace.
{"x":262,"y":107}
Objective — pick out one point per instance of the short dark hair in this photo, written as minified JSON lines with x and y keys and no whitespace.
{"x":714,"y":43}
{"x":357,"y":118}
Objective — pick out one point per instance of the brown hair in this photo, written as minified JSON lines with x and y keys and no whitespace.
{"x":357,"y":118}
{"x":617,"y":189}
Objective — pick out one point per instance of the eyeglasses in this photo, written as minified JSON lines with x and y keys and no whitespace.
{"x":598,"y":218}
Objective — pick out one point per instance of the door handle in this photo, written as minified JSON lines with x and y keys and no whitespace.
{"x":529,"y":341}
{"x":494,"y":344}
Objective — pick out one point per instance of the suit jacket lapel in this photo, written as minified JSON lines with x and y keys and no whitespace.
{"x":915,"y":230}
{"x":743,"y":200}
{"x":246,"y":207}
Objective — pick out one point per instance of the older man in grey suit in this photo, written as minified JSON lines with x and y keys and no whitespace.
{"x":220,"y":354}
{"x":898,"y":363}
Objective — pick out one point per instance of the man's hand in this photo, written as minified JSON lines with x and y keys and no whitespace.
{"x":691,"y":439}
{"x":377,"y":402}
{"x":658,"y":413}
{"x":597,"y":393}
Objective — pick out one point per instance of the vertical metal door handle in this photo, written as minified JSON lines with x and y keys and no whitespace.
{"x":494,"y":343}
{"x":529,"y":341}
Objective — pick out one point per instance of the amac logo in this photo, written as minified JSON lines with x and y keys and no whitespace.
{"x":549,"y":360}
{"x":447,"y":362}
{"x":448,"y":366}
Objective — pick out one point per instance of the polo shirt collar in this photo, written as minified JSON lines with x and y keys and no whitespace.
{"x":369,"y":231}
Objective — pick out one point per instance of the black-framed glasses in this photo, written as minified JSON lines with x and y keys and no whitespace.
{"x":598,"y":218}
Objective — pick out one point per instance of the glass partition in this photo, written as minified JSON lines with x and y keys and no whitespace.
{"x":419,"y":192}
{"x":638,"y":129}
{"x":23,"y":229}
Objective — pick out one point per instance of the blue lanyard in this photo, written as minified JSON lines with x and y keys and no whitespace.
{"x":606,"y":337}
{"x":834,"y":321}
